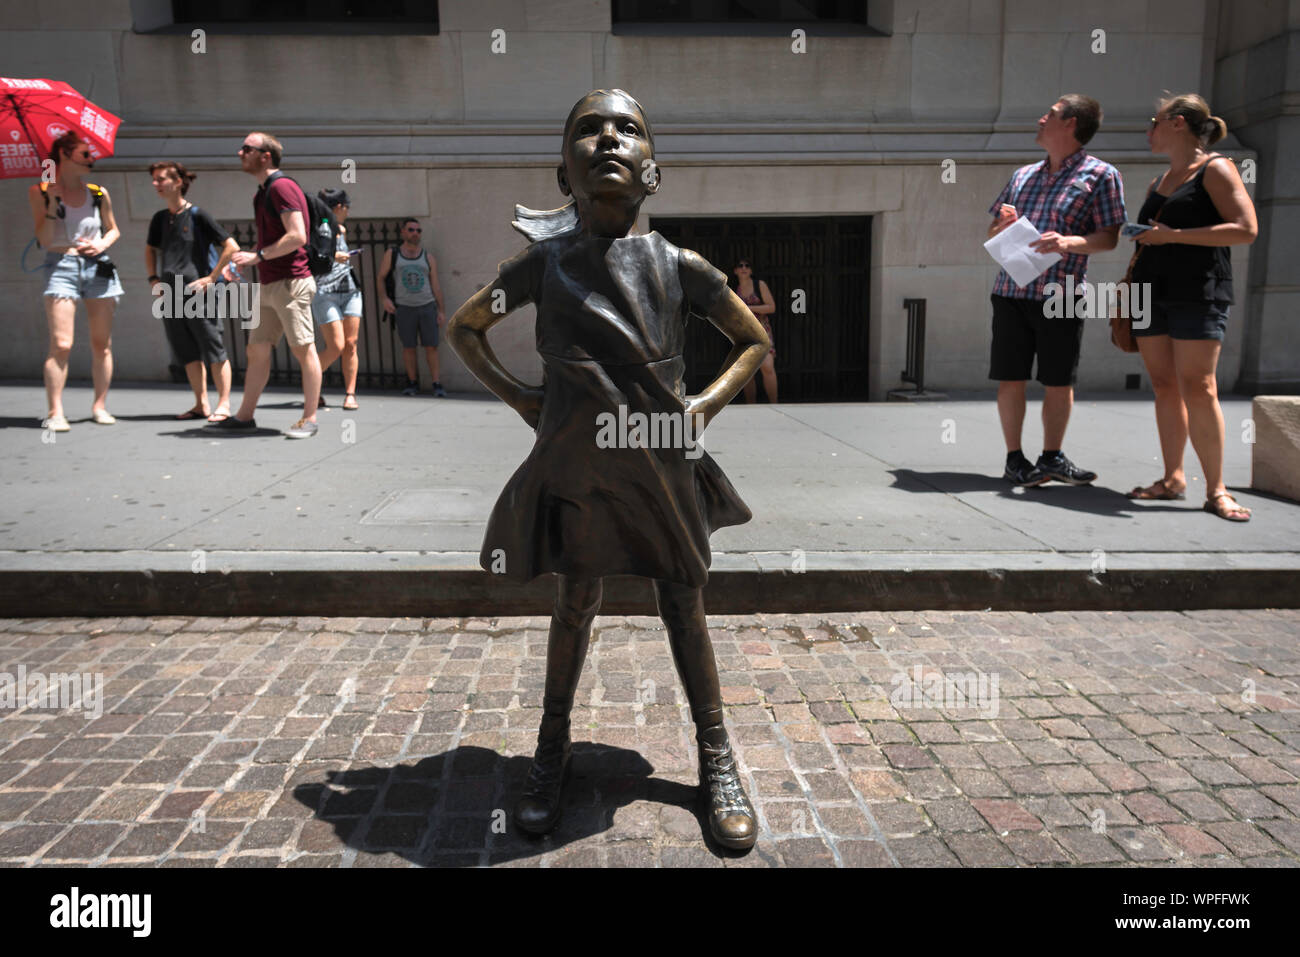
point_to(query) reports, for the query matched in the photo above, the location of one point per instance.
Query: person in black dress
(755, 294)
(1202, 209)
(611, 310)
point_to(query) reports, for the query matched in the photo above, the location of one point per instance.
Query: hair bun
(1215, 129)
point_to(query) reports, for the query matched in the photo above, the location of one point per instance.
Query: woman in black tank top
(754, 293)
(1196, 210)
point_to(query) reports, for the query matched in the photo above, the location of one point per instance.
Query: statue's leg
(731, 816)
(576, 603)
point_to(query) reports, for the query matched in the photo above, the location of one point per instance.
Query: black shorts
(1021, 331)
(1187, 320)
(194, 339)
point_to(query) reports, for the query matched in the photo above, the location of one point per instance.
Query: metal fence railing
(915, 371)
(379, 353)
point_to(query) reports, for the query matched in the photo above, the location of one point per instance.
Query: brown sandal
(1164, 492)
(1231, 511)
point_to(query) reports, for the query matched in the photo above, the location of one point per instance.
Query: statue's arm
(467, 333)
(749, 345)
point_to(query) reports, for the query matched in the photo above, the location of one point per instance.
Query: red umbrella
(35, 113)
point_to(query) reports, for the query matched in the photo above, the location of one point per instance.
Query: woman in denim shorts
(74, 224)
(1196, 210)
(337, 306)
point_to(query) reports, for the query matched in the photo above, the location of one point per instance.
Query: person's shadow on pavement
(1094, 499)
(34, 422)
(152, 417)
(202, 432)
(443, 810)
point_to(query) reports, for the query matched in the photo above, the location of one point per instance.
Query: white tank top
(81, 222)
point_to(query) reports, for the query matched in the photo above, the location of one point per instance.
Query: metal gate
(379, 353)
(821, 352)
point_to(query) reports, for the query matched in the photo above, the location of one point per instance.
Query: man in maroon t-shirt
(287, 286)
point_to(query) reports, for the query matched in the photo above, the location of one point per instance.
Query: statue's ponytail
(539, 224)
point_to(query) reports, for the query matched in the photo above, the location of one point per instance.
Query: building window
(744, 17)
(306, 16)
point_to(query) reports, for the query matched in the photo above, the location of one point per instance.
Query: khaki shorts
(286, 309)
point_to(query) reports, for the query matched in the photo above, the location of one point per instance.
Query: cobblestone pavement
(1094, 738)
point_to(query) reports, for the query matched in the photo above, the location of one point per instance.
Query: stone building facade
(915, 121)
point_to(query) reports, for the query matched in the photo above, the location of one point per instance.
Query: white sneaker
(102, 417)
(56, 423)
(302, 429)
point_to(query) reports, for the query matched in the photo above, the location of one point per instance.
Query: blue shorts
(330, 307)
(73, 276)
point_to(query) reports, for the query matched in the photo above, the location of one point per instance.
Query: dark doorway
(821, 353)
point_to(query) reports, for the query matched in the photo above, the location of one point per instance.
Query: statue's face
(605, 150)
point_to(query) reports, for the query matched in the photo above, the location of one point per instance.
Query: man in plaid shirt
(1077, 203)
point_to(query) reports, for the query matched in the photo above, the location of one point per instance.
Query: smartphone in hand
(1130, 230)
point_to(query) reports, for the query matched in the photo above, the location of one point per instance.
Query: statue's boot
(731, 817)
(538, 810)
(576, 604)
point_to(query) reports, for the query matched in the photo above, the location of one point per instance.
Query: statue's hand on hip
(529, 406)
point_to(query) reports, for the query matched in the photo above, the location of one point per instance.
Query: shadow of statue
(448, 809)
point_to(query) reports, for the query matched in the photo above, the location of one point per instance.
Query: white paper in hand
(1011, 250)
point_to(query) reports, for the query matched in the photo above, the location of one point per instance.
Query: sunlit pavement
(900, 739)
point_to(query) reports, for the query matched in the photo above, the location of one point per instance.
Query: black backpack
(322, 230)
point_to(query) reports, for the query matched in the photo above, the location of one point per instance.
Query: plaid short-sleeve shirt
(1084, 196)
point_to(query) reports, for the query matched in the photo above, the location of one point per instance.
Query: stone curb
(452, 584)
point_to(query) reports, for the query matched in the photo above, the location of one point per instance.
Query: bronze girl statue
(611, 311)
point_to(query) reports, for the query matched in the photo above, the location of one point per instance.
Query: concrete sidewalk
(855, 506)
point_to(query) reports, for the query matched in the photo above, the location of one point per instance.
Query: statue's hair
(539, 224)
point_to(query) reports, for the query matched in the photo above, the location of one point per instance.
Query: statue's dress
(611, 326)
